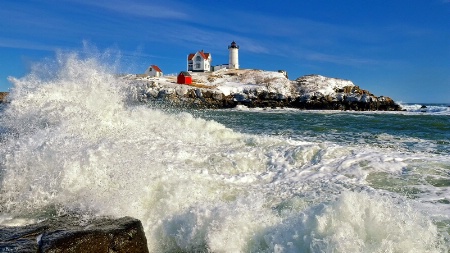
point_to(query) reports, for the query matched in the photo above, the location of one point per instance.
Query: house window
(197, 65)
(198, 58)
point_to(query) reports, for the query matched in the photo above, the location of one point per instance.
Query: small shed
(184, 78)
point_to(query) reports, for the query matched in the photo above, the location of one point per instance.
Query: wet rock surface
(75, 234)
(253, 98)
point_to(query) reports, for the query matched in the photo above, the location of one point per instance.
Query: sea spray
(354, 222)
(76, 142)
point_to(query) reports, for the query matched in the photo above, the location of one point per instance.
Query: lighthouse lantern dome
(233, 45)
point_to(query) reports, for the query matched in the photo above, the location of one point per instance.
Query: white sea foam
(355, 222)
(80, 145)
(443, 109)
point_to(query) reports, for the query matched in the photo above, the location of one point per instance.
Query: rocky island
(227, 88)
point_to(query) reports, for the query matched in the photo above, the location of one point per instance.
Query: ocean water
(73, 140)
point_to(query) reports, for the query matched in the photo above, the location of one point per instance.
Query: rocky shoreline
(206, 99)
(343, 97)
(75, 234)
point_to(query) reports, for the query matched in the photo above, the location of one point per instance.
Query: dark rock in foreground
(73, 234)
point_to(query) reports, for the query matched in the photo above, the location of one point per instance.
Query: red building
(184, 78)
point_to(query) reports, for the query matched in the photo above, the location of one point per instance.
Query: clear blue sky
(396, 48)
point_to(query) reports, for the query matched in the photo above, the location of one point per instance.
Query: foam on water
(443, 109)
(76, 142)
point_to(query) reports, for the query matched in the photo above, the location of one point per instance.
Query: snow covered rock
(325, 85)
(319, 92)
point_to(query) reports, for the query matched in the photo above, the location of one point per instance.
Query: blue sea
(241, 180)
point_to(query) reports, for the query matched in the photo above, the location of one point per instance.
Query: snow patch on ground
(241, 81)
(229, 81)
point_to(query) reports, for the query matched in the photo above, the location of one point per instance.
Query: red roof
(184, 73)
(156, 68)
(202, 54)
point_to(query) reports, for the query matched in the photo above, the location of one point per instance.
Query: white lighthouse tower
(233, 62)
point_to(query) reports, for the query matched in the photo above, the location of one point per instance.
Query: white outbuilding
(154, 71)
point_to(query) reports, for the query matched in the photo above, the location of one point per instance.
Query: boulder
(239, 97)
(182, 91)
(152, 92)
(75, 234)
(198, 93)
(217, 96)
(208, 94)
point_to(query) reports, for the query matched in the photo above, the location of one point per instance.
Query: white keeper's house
(199, 62)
